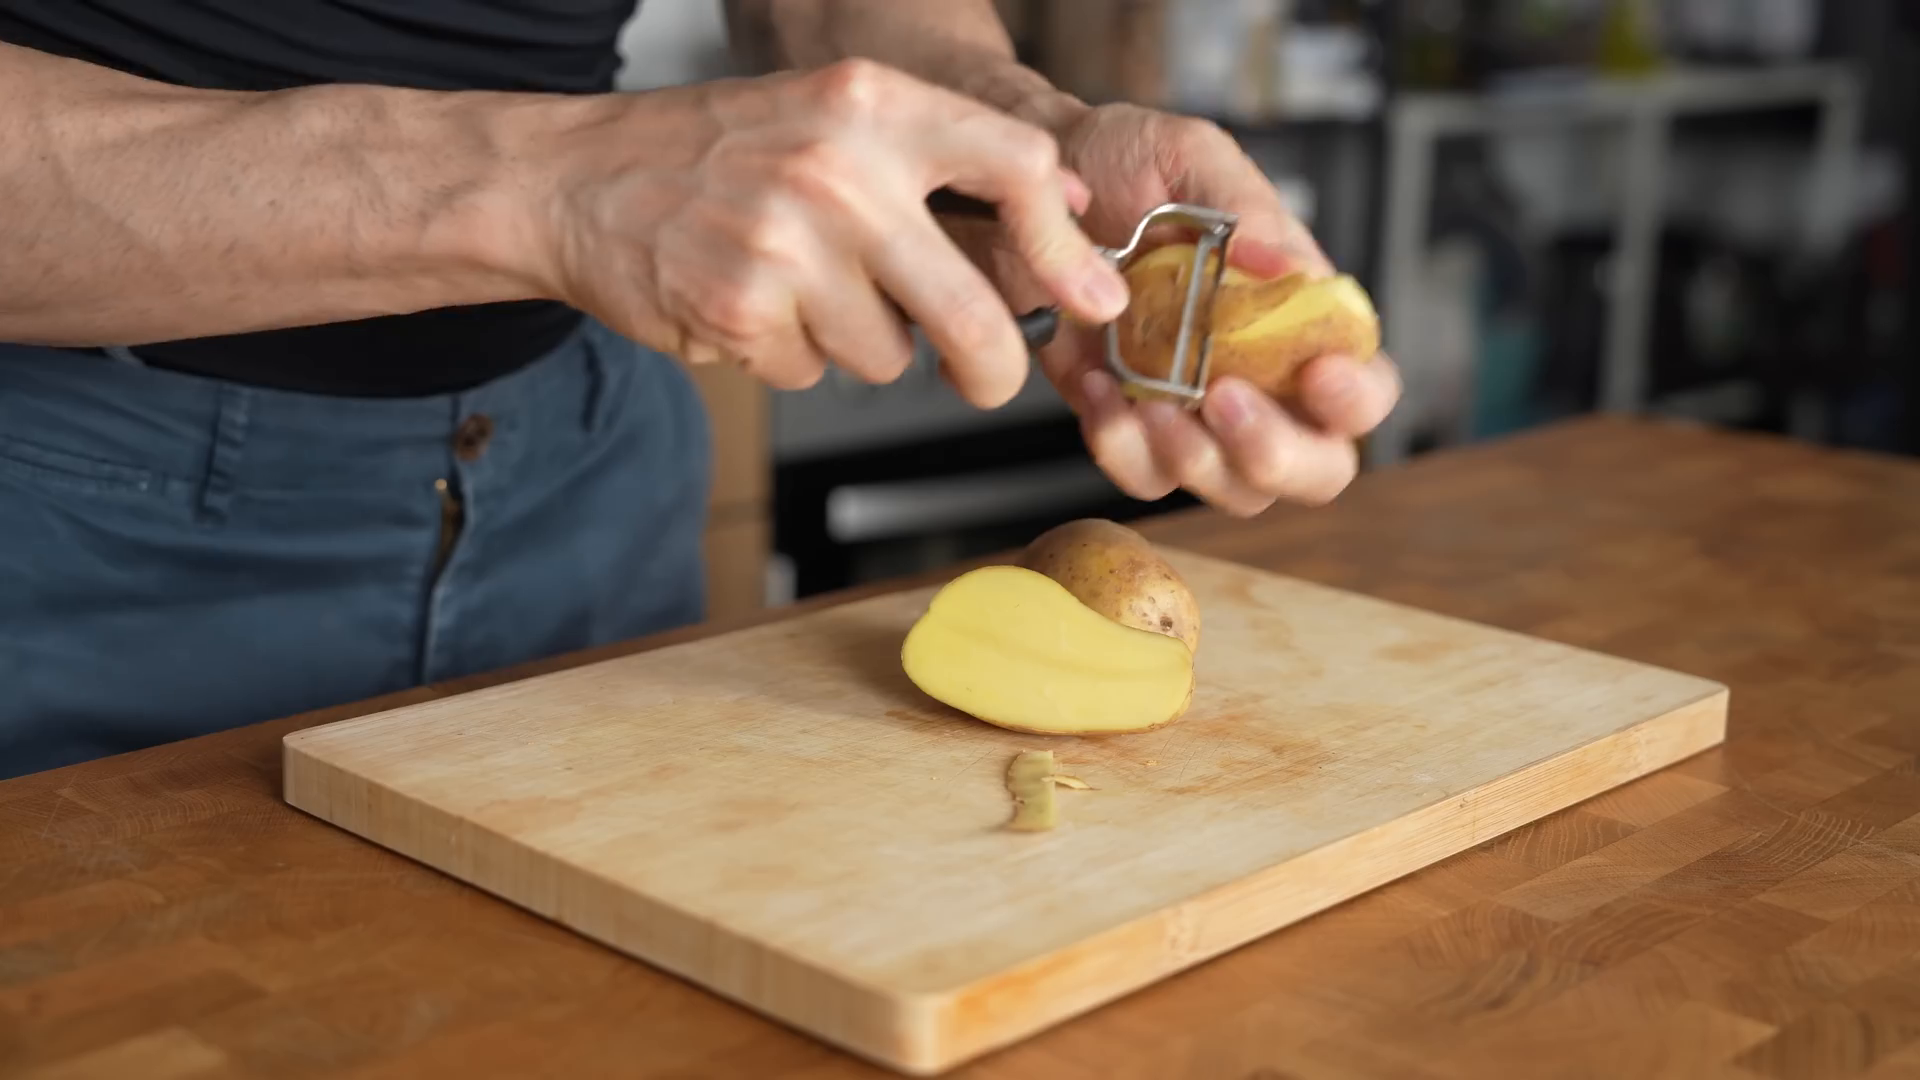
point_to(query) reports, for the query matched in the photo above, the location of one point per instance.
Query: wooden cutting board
(779, 815)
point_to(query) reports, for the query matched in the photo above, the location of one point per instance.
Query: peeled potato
(1116, 572)
(1263, 331)
(1011, 646)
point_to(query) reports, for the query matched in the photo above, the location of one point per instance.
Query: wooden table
(1751, 912)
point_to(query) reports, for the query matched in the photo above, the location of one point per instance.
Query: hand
(1241, 450)
(780, 223)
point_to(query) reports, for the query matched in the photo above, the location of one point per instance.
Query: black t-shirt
(560, 46)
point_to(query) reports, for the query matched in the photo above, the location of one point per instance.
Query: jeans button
(470, 441)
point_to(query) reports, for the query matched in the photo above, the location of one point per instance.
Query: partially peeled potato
(1264, 330)
(1092, 633)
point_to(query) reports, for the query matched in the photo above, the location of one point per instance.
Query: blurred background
(1693, 208)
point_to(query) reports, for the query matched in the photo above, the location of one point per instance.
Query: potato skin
(1116, 572)
(1263, 331)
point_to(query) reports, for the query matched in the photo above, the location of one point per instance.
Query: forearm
(138, 212)
(958, 44)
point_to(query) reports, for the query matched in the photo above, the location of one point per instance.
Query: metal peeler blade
(1186, 379)
(1214, 228)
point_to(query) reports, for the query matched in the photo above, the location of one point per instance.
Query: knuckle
(1394, 384)
(1249, 507)
(1270, 468)
(1199, 133)
(1036, 154)
(699, 351)
(799, 376)
(1325, 485)
(1099, 440)
(1343, 476)
(736, 312)
(808, 160)
(974, 323)
(1124, 469)
(823, 173)
(1049, 257)
(878, 363)
(1154, 489)
(782, 368)
(1198, 466)
(890, 361)
(1316, 497)
(1124, 475)
(1050, 253)
(854, 87)
(771, 235)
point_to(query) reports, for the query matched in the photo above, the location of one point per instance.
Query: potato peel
(1030, 780)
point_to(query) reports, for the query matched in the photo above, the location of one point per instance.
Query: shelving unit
(1644, 109)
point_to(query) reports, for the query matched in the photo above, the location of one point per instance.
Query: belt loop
(123, 354)
(596, 381)
(223, 462)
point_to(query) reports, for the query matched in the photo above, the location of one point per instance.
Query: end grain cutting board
(779, 815)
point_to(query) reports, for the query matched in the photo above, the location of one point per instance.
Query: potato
(1012, 647)
(1263, 331)
(1116, 572)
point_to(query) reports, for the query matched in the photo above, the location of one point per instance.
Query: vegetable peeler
(1186, 380)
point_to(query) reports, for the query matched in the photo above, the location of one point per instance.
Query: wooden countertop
(1752, 912)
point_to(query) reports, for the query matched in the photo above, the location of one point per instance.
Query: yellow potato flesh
(1012, 647)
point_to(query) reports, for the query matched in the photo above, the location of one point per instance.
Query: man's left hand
(1241, 450)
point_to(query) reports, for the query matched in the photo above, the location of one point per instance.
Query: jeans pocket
(66, 471)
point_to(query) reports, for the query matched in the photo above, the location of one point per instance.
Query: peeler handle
(948, 201)
(1038, 326)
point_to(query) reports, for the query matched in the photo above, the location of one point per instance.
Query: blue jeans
(181, 555)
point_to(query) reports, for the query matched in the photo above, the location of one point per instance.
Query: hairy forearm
(959, 44)
(136, 211)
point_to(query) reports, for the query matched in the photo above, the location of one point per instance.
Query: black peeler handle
(952, 203)
(1038, 326)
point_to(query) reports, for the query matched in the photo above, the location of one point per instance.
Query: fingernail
(1231, 409)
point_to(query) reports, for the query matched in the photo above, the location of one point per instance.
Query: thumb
(1269, 239)
(1272, 243)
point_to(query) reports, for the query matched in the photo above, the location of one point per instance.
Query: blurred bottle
(1432, 42)
(1629, 38)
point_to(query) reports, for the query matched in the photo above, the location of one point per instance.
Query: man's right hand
(778, 222)
(781, 223)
